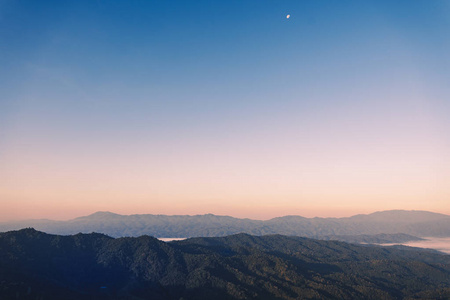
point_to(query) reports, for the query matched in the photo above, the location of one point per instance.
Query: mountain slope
(94, 266)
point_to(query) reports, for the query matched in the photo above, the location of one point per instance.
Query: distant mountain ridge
(381, 238)
(415, 223)
(36, 265)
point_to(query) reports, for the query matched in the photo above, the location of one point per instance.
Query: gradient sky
(224, 107)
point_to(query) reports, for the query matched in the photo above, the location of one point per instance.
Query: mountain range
(414, 223)
(36, 265)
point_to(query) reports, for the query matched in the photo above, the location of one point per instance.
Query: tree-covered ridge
(35, 265)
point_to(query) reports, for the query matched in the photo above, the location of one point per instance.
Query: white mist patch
(171, 239)
(440, 244)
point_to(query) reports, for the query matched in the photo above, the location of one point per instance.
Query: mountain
(415, 223)
(36, 265)
(381, 238)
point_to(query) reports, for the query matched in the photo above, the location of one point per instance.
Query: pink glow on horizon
(332, 163)
(55, 209)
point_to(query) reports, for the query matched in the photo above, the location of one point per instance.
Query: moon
(288, 16)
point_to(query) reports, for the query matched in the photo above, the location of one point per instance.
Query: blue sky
(225, 103)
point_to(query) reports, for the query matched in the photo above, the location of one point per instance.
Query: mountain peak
(104, 213)
(99, 215)
(399, 215)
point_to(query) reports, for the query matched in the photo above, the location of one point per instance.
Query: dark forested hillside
(415, 223)
(35, 265)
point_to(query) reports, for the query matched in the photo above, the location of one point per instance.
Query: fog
(440, 244)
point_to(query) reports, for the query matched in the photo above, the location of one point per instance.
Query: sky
(224, 107)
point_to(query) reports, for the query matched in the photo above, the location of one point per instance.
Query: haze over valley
(415, 223)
